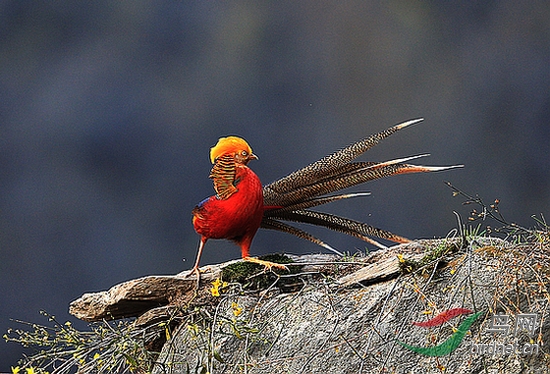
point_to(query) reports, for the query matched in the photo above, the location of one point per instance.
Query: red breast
(236, 217)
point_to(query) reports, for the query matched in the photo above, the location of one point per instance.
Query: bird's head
(235, 146)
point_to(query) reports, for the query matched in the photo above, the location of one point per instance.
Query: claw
(267, 264)
(197, 273)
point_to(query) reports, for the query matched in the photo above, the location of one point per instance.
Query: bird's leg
(244, 243)
(267, 264)
(195, 270)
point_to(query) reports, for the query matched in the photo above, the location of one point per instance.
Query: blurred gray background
(108, 111)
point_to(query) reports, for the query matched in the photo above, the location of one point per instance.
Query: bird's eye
(244, 153)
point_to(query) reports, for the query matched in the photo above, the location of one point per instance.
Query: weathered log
(343, 314)
(137, 296)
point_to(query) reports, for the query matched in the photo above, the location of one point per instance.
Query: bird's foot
(267, 264)
(197, 273)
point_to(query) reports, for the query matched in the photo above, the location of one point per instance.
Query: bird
(236, 211)
(242, 205)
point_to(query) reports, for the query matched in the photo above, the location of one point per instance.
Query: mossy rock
(433, 254)
(254, 276)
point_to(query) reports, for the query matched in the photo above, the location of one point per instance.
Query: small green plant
(107, 347)
(473, 232)
(433, 255)
(491, 213)
(252, 276)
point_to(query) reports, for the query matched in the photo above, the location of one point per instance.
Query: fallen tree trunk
(355, 315)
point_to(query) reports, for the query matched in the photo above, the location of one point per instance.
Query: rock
(352, 315)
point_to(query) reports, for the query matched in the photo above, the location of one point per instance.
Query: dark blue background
(108, 111)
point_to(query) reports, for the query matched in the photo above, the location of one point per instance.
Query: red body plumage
(236, 211)
(236, 218)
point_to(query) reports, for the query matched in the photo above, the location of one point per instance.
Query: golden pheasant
(241, 205)
(237, 209)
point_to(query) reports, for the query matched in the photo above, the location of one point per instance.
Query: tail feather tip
(440, 168)
(408, 123)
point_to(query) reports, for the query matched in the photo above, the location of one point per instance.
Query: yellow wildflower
(237, 310)
(215, 290)
(216, 285)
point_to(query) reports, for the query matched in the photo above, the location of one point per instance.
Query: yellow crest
(229, 145)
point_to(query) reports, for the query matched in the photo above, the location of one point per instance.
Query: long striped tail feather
(354, 174)
(273, 224)
(331, 164)
(316, 201)
(289, 198)
(343, 225)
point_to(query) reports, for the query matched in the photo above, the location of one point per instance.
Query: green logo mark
(448, 345)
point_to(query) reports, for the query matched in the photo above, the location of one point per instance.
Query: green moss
(432, 254)
(438, 252)
(253, 276)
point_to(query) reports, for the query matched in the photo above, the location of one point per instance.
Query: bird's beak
(252, 156)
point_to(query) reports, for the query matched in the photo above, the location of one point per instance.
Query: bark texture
(348, 315)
